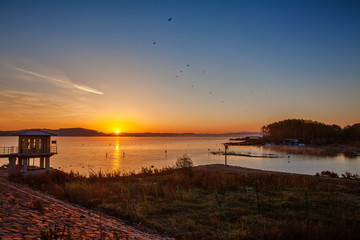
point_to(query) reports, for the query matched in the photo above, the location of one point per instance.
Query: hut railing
(16, 150)
(8, 150)
(53, 149)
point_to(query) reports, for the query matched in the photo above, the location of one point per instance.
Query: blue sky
(95, 64)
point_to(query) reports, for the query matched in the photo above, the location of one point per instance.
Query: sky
(178, 66)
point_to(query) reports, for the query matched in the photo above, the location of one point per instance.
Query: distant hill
(63, 132)
(76, 132)
(7, 133)
(93, 133)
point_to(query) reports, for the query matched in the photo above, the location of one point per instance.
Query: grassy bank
(192, 204)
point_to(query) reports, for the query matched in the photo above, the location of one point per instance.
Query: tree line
(311, 132)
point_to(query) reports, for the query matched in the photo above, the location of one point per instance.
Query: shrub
(184, 161)
(329, 174)
(348, 175)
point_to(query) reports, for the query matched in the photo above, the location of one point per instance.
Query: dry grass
(194, 204)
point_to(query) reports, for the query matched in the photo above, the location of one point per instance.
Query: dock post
(25, 165)
(12, 166)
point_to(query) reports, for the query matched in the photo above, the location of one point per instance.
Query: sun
(117, 131)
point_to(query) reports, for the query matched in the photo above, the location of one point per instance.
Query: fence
(15, 150)
(8, 150)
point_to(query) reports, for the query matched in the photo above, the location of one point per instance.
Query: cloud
(29, 106)
(60, 80)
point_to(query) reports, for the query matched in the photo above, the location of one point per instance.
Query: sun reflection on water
(116, 157)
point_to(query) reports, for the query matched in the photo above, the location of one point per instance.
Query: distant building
(290, 141)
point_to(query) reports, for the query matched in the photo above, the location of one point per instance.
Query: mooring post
(226, 149)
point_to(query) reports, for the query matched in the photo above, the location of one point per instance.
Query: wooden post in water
(226, 149)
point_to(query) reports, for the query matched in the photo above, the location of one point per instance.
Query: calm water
(84, 154)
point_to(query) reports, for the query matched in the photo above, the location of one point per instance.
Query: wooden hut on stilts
(32, 144)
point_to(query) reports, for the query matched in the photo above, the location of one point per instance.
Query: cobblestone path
(24, 213)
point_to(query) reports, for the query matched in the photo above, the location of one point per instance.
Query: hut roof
(34, 132)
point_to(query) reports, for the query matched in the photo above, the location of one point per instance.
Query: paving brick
(19, 219)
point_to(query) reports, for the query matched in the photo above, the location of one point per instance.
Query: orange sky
(215, 67)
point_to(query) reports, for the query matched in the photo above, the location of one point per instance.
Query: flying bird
(154, 43)
(188, 65)
(169, 19)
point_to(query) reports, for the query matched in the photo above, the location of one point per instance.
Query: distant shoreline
(352, 150)
(82, 132)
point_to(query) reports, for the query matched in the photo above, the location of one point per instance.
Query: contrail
(58, 80)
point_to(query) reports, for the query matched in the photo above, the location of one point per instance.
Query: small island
(306, 137)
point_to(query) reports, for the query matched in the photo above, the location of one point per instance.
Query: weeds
(208, 205)
(328, 174)
(55, 232)
(346, 175)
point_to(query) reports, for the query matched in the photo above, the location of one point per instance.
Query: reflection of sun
(117, 147)
(117, 131)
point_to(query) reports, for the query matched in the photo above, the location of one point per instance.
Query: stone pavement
(28, 214)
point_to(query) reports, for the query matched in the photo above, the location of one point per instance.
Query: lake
(86, 154)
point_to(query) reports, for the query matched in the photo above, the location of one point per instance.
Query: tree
(308, 131)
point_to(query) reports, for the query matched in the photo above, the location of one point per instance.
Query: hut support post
(47, 162)
(12, 165)
(25, 165)
(20, 163)
(41, 162)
